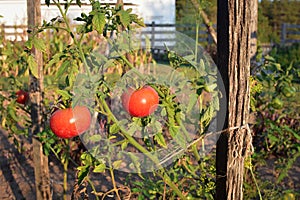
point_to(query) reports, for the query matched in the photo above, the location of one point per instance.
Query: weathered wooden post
(41, 170)
(234, 35)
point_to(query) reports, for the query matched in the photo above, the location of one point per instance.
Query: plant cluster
(87, 67)
(275, 99)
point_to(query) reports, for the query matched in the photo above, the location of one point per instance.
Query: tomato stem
(68, 29)
(131, 140)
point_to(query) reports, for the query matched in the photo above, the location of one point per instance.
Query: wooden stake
(41, 170)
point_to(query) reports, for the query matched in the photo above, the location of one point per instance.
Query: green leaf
(83, 173)
(47, 2)
(12, 113)
(116, 164)
(270, 58)
(53, 60)
(33, 66)
(135, 18)
(114, 129)
(78, 2)
(192, 102)
(39, 44)
(65, 94)
(98, 22)
(273, 138)
(62, 69)
(100, 168)
(210, 88)
(159, 138)
(28, 43)
(124, 145)
(95, 138)
(124, 17)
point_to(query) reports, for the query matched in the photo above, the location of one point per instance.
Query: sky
(162, 11)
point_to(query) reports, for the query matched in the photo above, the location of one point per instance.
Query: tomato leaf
(100, 168)
(62, 69)
(78, 2)
(12, 112)
(116, 164)
(192, 102)
(33, 66)
(39, 44)
(64, 94)
(28, 43)
(124, 17)
(95, 138)
(53, 60)
(83, 173)
(113, 129)
(98, 22)
(159, 138)
(135, 163)
(47, 2)
(124, 145)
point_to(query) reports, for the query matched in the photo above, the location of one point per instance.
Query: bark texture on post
(239, 141)
(41, 169)
(234, 27)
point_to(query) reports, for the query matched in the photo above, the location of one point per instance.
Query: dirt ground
(17, 174)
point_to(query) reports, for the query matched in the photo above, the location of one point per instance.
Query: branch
(206, 21)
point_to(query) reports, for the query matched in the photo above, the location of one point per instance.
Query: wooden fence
(158, 34)
(290, 33)
(13, 32)
(165, 33)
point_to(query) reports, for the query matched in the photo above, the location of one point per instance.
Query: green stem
(131, 140)
(65, 183)
(111, 170)
(92, 186)
(197, 40)
(168, 180)
(255, 182)
(68, 29)
(65, 163)
(195, 152)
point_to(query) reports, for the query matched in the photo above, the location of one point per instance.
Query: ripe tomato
(141, 102)
(68, 123)
(22, 96)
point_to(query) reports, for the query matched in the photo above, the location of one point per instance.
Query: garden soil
(17, 174)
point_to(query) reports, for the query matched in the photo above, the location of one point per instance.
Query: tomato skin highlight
(22, 97)
(70, 122)
(141, 102)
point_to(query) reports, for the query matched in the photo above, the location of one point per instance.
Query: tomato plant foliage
(88, 65)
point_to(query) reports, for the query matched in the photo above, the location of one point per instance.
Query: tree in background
(272, 14)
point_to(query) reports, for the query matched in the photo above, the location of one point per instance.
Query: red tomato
(141, 102)
(68, 123)
(22, 96)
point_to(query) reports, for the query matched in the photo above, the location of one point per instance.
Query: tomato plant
(22, 96)
(141, 102)
(75, 71)
(70, 122)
